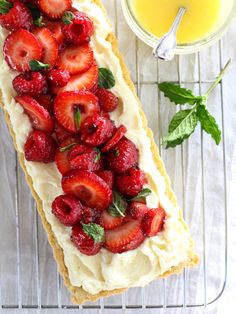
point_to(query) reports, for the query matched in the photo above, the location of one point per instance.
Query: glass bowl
(226, 19)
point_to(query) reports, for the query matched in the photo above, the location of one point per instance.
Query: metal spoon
(165, 50)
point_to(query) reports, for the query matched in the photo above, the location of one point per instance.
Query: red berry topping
(91, 190)
(72, 108)
(54, 8)
(61, 133)
(131, 183)
(90, 215)
(85, 243)
(61, 157)
(123, 156)
(56, 28)
(76, 59)
(125, 237)
(108, 222)
(96, 130)
(84, 157)
(49, 44)
(46, 101)
(39, 116)
(17, 16)
(80, 82)
(20, 48)
(107, 100)
(137, 210)
(107, 176)
(80, 29)
(68, 209)
(40, 147)
(59, 77)
(120, 132)
(153, 221)
(30, 83)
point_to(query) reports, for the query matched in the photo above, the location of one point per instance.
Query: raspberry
(96, 130)
(107, 100)
(17, 17)
(131, 183)
(40, 147)
(83, 242)
(80, 29)
(123, 156)
(30, 83)
(84, 157)
(59, 77)
(90, 215)
(68, 209)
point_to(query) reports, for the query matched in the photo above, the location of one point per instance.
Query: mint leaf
(106, 78)
(39, 22)
(144, 193)
(77, 118)
(36, 65)
(181, 127)
(94, 231)
(178, 94)
(67, 17)
(5, 6)
(118, 206)
(98, 156)
(66, 148)
(208, 123)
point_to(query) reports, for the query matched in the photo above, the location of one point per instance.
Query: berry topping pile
(68, 100)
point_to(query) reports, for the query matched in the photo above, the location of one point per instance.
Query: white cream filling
(104, 271)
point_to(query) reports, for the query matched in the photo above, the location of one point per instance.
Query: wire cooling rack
(28, 275)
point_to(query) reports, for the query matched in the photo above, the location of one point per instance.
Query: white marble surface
(31, 278)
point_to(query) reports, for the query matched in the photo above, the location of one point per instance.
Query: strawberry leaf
(37, 66)
(178, 94)
(208, 123)
(94, 231)
(5, 6)
(181, 127)
(106, 78)
(118, 206)
(143, 194)
(67, 17)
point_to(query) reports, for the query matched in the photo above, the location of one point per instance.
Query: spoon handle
(178, 19)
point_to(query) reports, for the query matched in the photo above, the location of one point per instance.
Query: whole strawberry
(15, 15)
(123, 156)
(30, 83)
(131, 183)
(78, 27)
(40, 147)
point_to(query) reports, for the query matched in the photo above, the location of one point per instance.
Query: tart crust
(79, 295)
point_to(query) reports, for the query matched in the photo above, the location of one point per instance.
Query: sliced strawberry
(84, 81)
(46, 101)
(120, 132)
(76, 59)
(153, 221)
(107, 100)
(49, 44)
(125, 237)
(54, 8)
(39, 116)
(68, 103)
(56, 28)
(61, 158)
(90, 189)
(20, 47)
(108, 222)
(107, 176)
(137, 210)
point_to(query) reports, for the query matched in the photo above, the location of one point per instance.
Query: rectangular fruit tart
(82, 139)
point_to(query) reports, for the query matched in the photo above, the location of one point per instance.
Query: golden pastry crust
(78, 295)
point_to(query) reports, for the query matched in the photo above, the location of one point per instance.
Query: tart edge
(78, 294)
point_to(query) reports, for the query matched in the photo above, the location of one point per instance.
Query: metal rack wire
(28, 263)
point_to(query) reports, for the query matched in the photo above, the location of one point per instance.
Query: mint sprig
(5, 6)
(118, 205)
(37, 66)
(67, 17)
(143, 194)
(94, 231)
(184, 122)
(106, 78)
